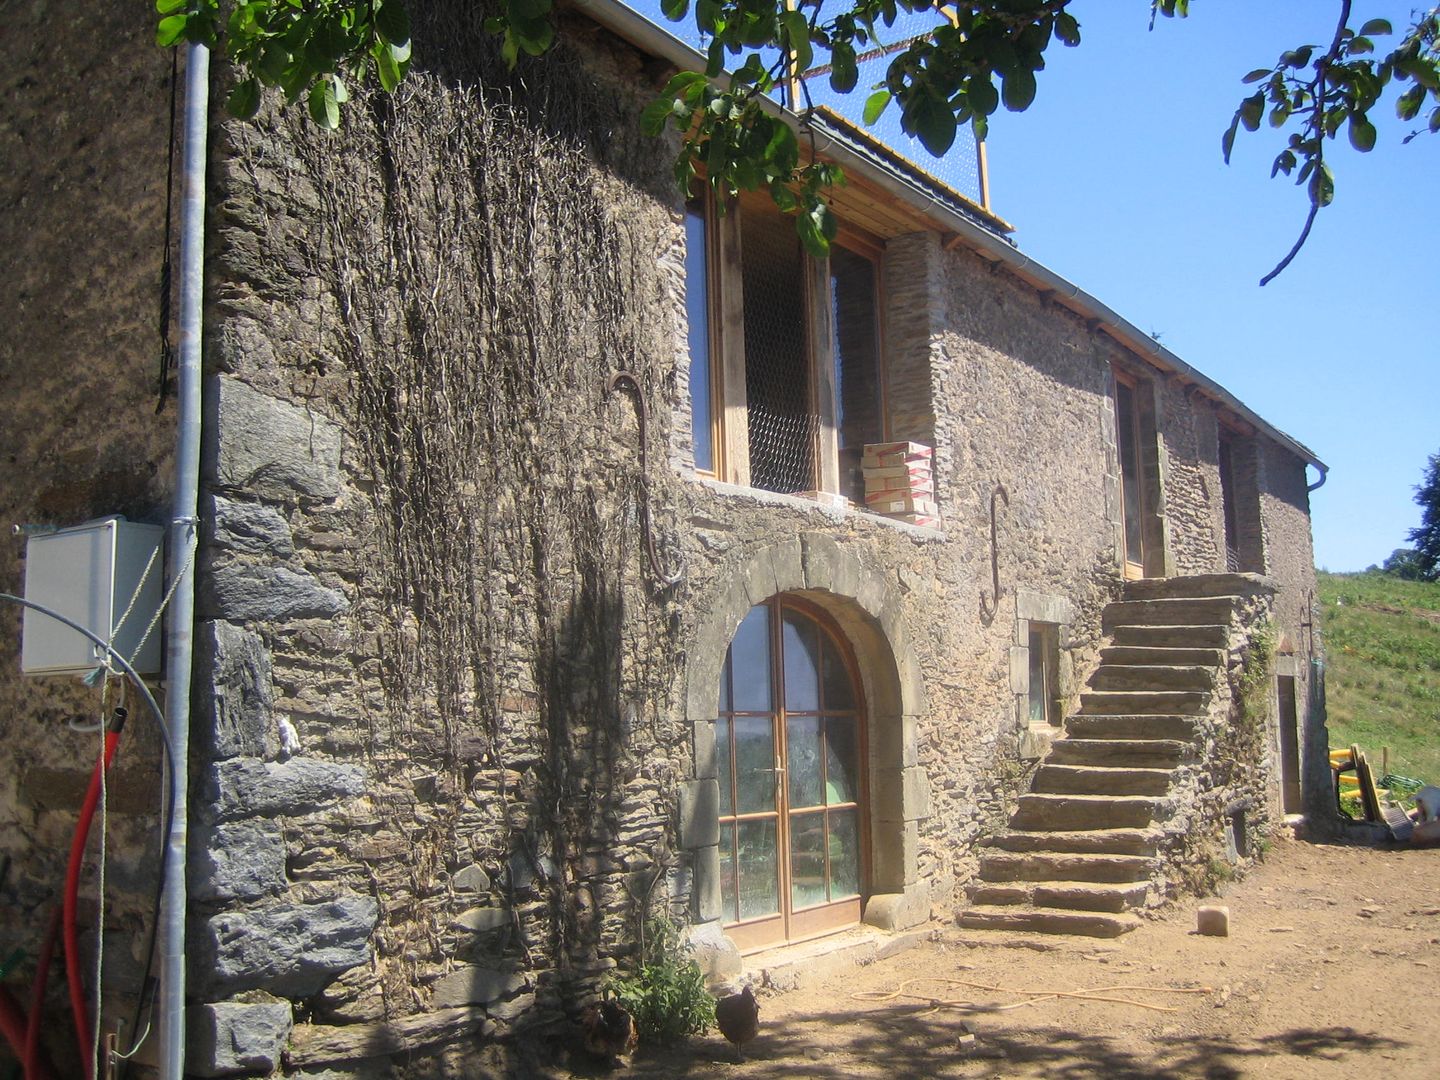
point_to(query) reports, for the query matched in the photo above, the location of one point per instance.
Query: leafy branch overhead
(972, 59)
(1317, 96)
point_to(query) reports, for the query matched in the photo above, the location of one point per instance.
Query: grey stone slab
(480, 920)
(470, 879)
(233, 699)
(245, 787)
(706, 862)
(290, 949)
(705, 761)
(247, 528)
(241, 860)
(227, 1038)
(247, 592)
(263, 445)
(699, 813)
(475, 984)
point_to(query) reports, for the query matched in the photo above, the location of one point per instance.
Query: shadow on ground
(917, 1042)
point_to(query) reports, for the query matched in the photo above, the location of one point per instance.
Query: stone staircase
(1082, 849)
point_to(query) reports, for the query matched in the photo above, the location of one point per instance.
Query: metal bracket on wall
(629, 378)
(988, 610)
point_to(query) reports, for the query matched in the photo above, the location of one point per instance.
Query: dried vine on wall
(488, 280)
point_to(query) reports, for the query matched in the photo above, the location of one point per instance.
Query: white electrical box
(90, 573)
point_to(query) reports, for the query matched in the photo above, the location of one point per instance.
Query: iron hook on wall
(988, 609)
(629, 378)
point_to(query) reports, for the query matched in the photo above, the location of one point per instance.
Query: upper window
(697, 312)
(790, 354)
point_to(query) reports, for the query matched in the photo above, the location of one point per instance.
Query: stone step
(1130, 726)
(1071, 812)
(1178, 612)
(1153, 677)
(1062, 866)
(1100, 780)
(1133, 702)
(1095, 841)
(1119, 753)
(1071, 895)
(1142, 655)
(1208, 636)
(1194, 585)
(1042, 920)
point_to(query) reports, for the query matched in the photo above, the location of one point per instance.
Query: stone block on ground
(1213, 921)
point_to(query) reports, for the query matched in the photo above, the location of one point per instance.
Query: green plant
(667, 996)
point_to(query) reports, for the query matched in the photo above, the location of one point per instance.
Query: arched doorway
(790, 753)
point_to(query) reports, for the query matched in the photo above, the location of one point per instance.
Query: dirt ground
(1332, 968)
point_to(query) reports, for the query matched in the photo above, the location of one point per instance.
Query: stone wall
(83, 134)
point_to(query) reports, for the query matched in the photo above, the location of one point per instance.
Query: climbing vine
(486, 280)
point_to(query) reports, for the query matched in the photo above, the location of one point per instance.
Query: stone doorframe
(868, 611)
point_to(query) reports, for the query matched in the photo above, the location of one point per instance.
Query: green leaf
(1322, 186)
(1362, 133)
(1376, 26)
(393, 22)
(244, 100)
(1018, 89)
(981, 95)
(387, 67)
(652, 120)
(1279, 114)
(170, 30)
(935, 124)
(674, 10)
(1067, 29)
(324, 106)
(1251, 109)
(875, 105)
(1407, 106)
(169, 7)
(797, 29)
(1256, 75)
(844, 72)
(1227, 141)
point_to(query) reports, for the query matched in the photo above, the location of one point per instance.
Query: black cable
(168, 814)
(167, 352)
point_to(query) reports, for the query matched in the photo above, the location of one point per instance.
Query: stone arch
(868, 610)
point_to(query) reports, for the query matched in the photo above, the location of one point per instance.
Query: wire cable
(168, 748)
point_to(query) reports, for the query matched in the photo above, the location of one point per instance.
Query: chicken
(610, 1030)
(738, 1016)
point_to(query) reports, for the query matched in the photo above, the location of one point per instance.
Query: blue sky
(1114, 179)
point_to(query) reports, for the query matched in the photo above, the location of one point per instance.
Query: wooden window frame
(730, 444)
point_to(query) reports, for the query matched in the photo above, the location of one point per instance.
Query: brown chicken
(610, 1031)
(738, 1016)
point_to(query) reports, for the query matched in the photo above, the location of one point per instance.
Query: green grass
(1382, 638)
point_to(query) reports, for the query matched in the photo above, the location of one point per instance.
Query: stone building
(536, 592)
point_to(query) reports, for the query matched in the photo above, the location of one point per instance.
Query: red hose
(73, 974)
(13, 1026)
(37, 997)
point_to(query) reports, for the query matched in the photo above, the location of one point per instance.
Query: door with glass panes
(790, 741)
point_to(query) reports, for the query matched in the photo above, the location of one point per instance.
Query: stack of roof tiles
(899, 482)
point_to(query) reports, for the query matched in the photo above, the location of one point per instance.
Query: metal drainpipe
(183, 533)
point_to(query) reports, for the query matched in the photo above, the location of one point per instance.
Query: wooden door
(790, 745)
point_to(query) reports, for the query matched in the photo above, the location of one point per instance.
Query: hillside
(1382, 638)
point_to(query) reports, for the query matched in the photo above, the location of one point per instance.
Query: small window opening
(853, 291)
(697, 311)
(1044, 650)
